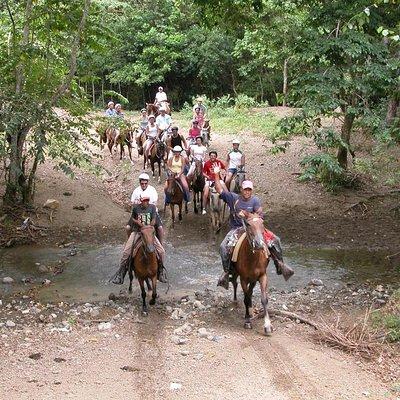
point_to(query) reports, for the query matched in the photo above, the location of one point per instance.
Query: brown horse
(126, 138)
(198, 183)
(251, 267)
(111, 134)
(152, 109)
(157, 153)
(175, 194)
(237, 180)
(215, 207)
(206, 132)
(145, 266)
(140, 139)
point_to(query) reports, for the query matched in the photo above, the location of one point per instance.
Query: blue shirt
(110, 112)
(236, 203)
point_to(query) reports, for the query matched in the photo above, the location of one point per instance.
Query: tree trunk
(285, 85)
(102, 90)
(93, 94)
(392, 111)
(345, 134)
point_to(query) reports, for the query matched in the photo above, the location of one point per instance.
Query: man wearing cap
(176, 139)
(164, 122)
(199, 104)
(161, 97)
(110, 112)
(142, 214)
(234, 160)
(245, 201)
(144, 189)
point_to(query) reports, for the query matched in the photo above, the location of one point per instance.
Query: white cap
(144, 197)
(177, 148)
(109, 103)
(162, 109)
(160, 87)
(144, 176)
(151, 116)
(235, 141)
(247, 185)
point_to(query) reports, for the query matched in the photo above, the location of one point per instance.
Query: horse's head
(240, 177)
(171, 182)
(161, 147)
(147, 233)
(254, 228)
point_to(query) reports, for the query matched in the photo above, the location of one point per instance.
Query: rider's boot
(224, 280)
(119, 276)
(281, 267)
(162, 273)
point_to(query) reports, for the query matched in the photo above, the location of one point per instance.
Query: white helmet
(110, 103)
(177, 149)
(235, 141)
(143, 176)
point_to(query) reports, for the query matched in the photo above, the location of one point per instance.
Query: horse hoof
(145, 313)
(267, 331)
(247, 325)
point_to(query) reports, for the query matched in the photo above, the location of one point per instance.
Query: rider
(143, 119)
(199, 116)
(151, 134)
(194, 131)
(249, 203)
(176, 139)
(142, 214)
(118, 111)
(110, 112)
(199, 104)
(176, 165)
(197, 152)
(235, 160)
(145, 189)
(208, 172)
(163, 121)
(161, 97)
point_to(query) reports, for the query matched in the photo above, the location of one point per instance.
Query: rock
(35, 356)
(7, 280)
(199, 305)
(94, 312)
(59, 360)
(103, 326)
(185, 353)
(168, 309)
(380, 288)
(27, 280)
(203, 333)
(178, 340)
(43, 268)
(285, 307)
(183, 330)
(175, 386)
(46, 282)
(178, 314)
(128, 368)
(10, 324)
(52, 204)
(316, 282)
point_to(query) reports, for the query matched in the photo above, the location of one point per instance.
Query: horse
(206, 132)
(198, 183)
(111, 134)
(140, 139)
(175, 193)
(251, 267)
(157, 153)
(237, 180)
(145, 266)
(126, 138)
(152, 109)
(215, 206)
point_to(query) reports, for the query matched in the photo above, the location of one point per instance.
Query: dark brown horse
(198, 183)
(215, 207)
(152, 109)
(111, 134)
(175, 194)
(145, 266)
(157, 153)
(126, 139)
(140, 139)
(251, 267)
(237, 180)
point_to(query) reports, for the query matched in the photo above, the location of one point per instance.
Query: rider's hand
(217, 169)
(242, 214)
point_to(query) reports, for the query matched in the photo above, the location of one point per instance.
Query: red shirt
(194, 132)
(208, 168)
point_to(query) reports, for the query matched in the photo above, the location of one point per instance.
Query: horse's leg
(154, 292)
(195, 202)
(122, 151)
(172, 214)
(264, 300)
(148, 283)
(247, 302)
(180, 210)
(130, 278)
(235, 285)
(159, 171)
(144, 305)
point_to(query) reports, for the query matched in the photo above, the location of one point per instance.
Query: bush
(242, 101)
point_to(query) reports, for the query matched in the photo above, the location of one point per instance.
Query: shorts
(233, 171)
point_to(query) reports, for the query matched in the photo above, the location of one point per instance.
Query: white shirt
(235, 159)
(199, 152)
(161, 96)
(163, 121)
(150, 191)
(153, 131)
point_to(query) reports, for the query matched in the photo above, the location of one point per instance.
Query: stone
(185, 353)
(199, 305)
(46, 282)
(43, 268)
(10, 324)
(103, 326)
(178, 340)
(183, 330)
(175, 386)
(203, 333)
(316, 282)
(7, 280)
(94, 312)
(178, 314)
(52, 204)
(35, 356)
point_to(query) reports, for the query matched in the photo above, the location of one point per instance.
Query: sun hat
(143, 176)
(151, 116)
(247, 185)
(235, 141)
(177, 149)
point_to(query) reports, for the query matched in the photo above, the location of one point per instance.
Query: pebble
(183, 330)
(103, 326)
(7, 280)
(203, 333)
(94, 312)
(178, 340)
(185, 353)
(199, 305)
(46, 282)
(316, 282)
(175, 386)
(10, 324)
(42, 268)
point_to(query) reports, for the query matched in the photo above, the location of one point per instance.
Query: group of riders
(182, 155)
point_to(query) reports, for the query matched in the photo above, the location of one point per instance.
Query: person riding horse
(245, 203)
(199, 104)
(208, 172)
(144, 189)
(235, 160)
(161, 97)
(194, 132)
(164, 122)
(151, 135)
(197, 152)
(110, 112)
(142, 214)
(176, 139)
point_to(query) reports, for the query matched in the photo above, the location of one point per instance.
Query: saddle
(268, 237)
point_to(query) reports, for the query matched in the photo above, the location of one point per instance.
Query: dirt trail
(232, 362)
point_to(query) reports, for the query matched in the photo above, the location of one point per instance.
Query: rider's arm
(184, 142)
(218, 186)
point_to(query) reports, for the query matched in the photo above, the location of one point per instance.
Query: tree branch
(74, 55)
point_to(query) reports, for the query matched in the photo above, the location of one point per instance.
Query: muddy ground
(106, 349)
